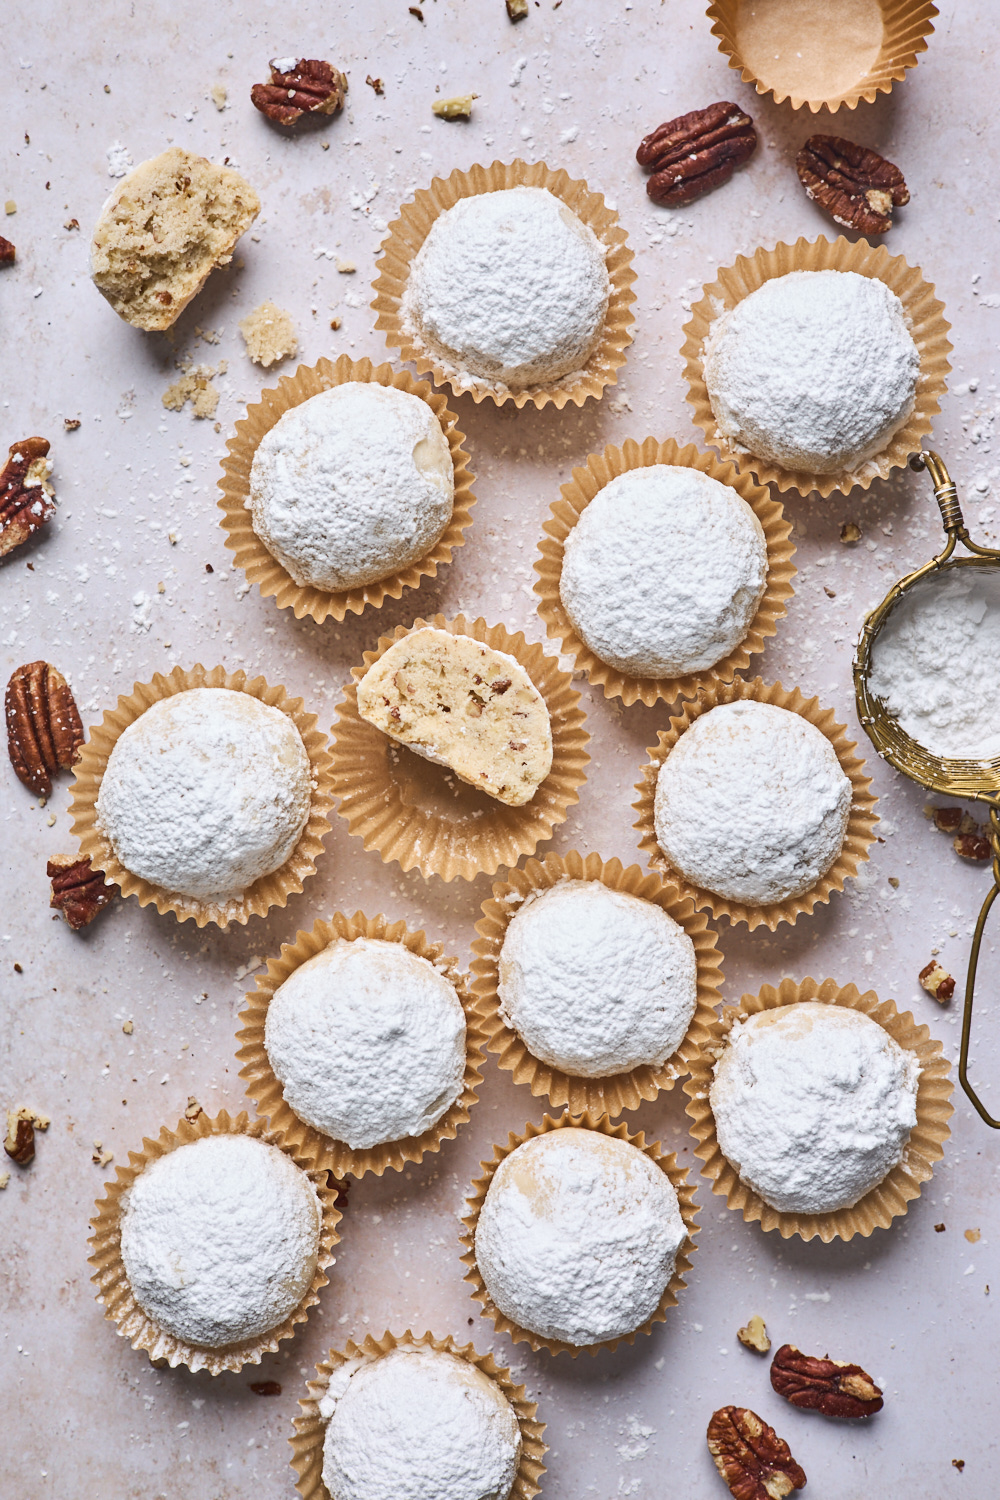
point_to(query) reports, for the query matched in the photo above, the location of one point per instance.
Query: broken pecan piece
(7, 252)
(77, 891)
(19, 1142)
(857, 187)
(25, 493)
(937, 981)
(696, 152)
(44, 731)
(830, 1386)
(972, 846)
(753, 1460)
(299, 86)
(754, 1335)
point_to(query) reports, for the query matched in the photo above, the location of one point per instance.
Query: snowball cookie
(752, 803)
(664, 571)
(465, 706)
(352, 485)
(368, 1042)
(510, 287)
(814, 370)
(578, 1236)
(418, 1424)
(220, 1239)
(595, 981)
(165, 227)
(206, 792)
(813, 1105)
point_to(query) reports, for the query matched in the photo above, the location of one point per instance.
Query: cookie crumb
(217, 94)
(269, 334)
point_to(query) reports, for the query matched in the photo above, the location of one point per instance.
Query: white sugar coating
(664, 571)
(813, 1105)
(596, 981)
(352, 485)
(220, 1239)
(814, 370)
(510, 288)
(368, 1042)
(578, 1236)
(936, 664)
(752, 803)
(206, 792)
(418, 1424)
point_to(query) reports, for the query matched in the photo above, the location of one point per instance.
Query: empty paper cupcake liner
(115, 1292)
(310, 1429)
(408, 232)
(266, 1091)
(924, 316)
(666, 1161)
(824, 61)
(600, 469)
(419, 814)
(619, 1091)
(269, 890)
(858, 837)
(877, 1209)
(250, 553)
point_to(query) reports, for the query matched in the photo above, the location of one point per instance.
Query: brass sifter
(978, 780)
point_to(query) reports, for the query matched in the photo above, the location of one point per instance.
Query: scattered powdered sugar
(813, 1105)
(578, 1236)
(415, 1423)
(596, 981)
(368, 1042)
(206, 792)
(752, 803)
(119, 160)
(509, 289)
(352, 485)
(814, 370)
(936, 664)
(664, 571)
(220, 1239)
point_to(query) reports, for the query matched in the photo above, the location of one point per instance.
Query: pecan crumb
(939, 1229)
(754, 1335)
(517, 9)
(850, 532)
(7, 252)
(72, 224)
(416, 11)
(500, 686)
(973, 1236)
(974, 847)
(193, 1109)
(457, 108)
(71, 423)
(894, 881)
(696, 152)
(19, 1143)
(128, 1027)
(937, 981)
(958, 1463)
(99, 1156)
(78, 891)
(375, 83)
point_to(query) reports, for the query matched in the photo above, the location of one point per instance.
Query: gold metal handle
(970, 981)
(945, 492)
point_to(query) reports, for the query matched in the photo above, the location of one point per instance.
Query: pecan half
(696, 152)
(753, 1460)
(77, 891)
(299, 86)
(43, 725)
(830, 1386)
(937, 981)
(857, 187)
(7, 252)
(25, 493)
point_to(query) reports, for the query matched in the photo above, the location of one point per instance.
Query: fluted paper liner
(408, 232)
(616, 1092)
(269, 890)
(906, 25)
(114, 1291)
(877, 1209)
(250, 553)
(924, 316)
(266, 1091)
(310, 1429)
(370, 771)
(858, 836)
(665, 1160)
(586, 482)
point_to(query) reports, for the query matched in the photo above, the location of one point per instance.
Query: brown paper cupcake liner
(114, 1291)
(665, 1160)
(310, 1430)
(619, 1091)
(269, 890)
(905, 26)
(419, 814)
(250, 553)
(267, 1094)
(924, 317)
(600, 469)
(877, 1209)
(859, 835)
(408, 232)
